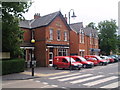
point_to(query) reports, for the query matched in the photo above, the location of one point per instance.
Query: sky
(86, 10)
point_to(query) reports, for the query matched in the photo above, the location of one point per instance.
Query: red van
(64, 62)
(100, 60)
(86, 64)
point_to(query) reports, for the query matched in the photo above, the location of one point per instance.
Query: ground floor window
(62, 52)
(82, 53)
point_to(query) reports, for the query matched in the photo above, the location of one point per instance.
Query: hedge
(12, 66)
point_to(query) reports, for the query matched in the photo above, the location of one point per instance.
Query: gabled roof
(42, 21)
(76, 26)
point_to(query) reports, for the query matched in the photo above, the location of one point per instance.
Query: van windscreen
(69, 58)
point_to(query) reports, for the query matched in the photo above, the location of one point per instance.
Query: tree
(92, 24)
(11, 34)
(107, 36)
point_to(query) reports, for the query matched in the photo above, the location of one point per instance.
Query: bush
(12, 66)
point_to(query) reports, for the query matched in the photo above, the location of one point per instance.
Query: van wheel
(55, 67)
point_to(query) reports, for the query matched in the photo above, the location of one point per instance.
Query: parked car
(115, 57)
(109, 59)
(100, 60)
(94, 60)
(86, 64)
(64, 62)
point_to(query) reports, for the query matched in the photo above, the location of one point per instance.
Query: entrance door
(50, 58)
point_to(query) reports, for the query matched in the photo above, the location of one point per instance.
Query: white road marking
(45, 86)
(112, 85)
(64, 76)
(45, 83)
(54, 85)
(86, 79)
(37, 81)
(100, 81)
(74, 77)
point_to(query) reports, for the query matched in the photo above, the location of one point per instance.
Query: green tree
(107, 36)
(11, 33)
(92, 24)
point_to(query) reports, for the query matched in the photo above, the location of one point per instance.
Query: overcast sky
(86, 10)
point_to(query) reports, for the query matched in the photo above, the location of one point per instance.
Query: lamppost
(73, 16)
(32, 56)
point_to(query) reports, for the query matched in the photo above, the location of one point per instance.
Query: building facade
(85, 41)
(51, 34)
(52, 38)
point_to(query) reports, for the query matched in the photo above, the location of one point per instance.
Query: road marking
(86, 79)
(40, 74)
(64, 76)
(45, 83)
(112, 85)
(45, 86)
(54, 85)
(37, 81)
(75, 77)
(100, 81)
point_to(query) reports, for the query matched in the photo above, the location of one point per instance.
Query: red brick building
(83, 41)
(51, 34)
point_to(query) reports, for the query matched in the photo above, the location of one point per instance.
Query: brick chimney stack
(37, 15)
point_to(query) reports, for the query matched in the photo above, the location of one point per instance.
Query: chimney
(37, 15)
(65, 18)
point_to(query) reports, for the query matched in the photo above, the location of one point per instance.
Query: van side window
(77, 59)
(64, 60)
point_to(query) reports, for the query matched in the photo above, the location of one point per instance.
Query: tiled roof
(89, 30)
(76, 26)
(42, 21)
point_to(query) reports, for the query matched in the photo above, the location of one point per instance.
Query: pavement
(38, 73)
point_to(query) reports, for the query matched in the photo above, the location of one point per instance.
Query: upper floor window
(81, 36)
(58, 35)
(51, 34)
(90, 38)
(65, 36)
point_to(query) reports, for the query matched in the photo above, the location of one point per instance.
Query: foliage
(12, 66)
(92, 24)
(107, 36)
(11, 34)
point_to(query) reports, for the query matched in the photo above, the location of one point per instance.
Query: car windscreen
(81, 58)
(98, 58)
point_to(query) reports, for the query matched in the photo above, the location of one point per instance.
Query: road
(96, 77)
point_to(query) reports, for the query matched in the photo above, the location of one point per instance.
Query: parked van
(86, 64)
(100, 60)
(64, 62)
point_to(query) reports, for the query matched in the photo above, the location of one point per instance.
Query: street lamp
(73, 16)
(32, 61)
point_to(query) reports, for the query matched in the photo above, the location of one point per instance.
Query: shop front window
(62, 52)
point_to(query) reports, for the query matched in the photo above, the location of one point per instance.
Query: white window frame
(81, 36)
(51, 34)
(90, 38)
(58, 35)
(63, 51)
(65, 36)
